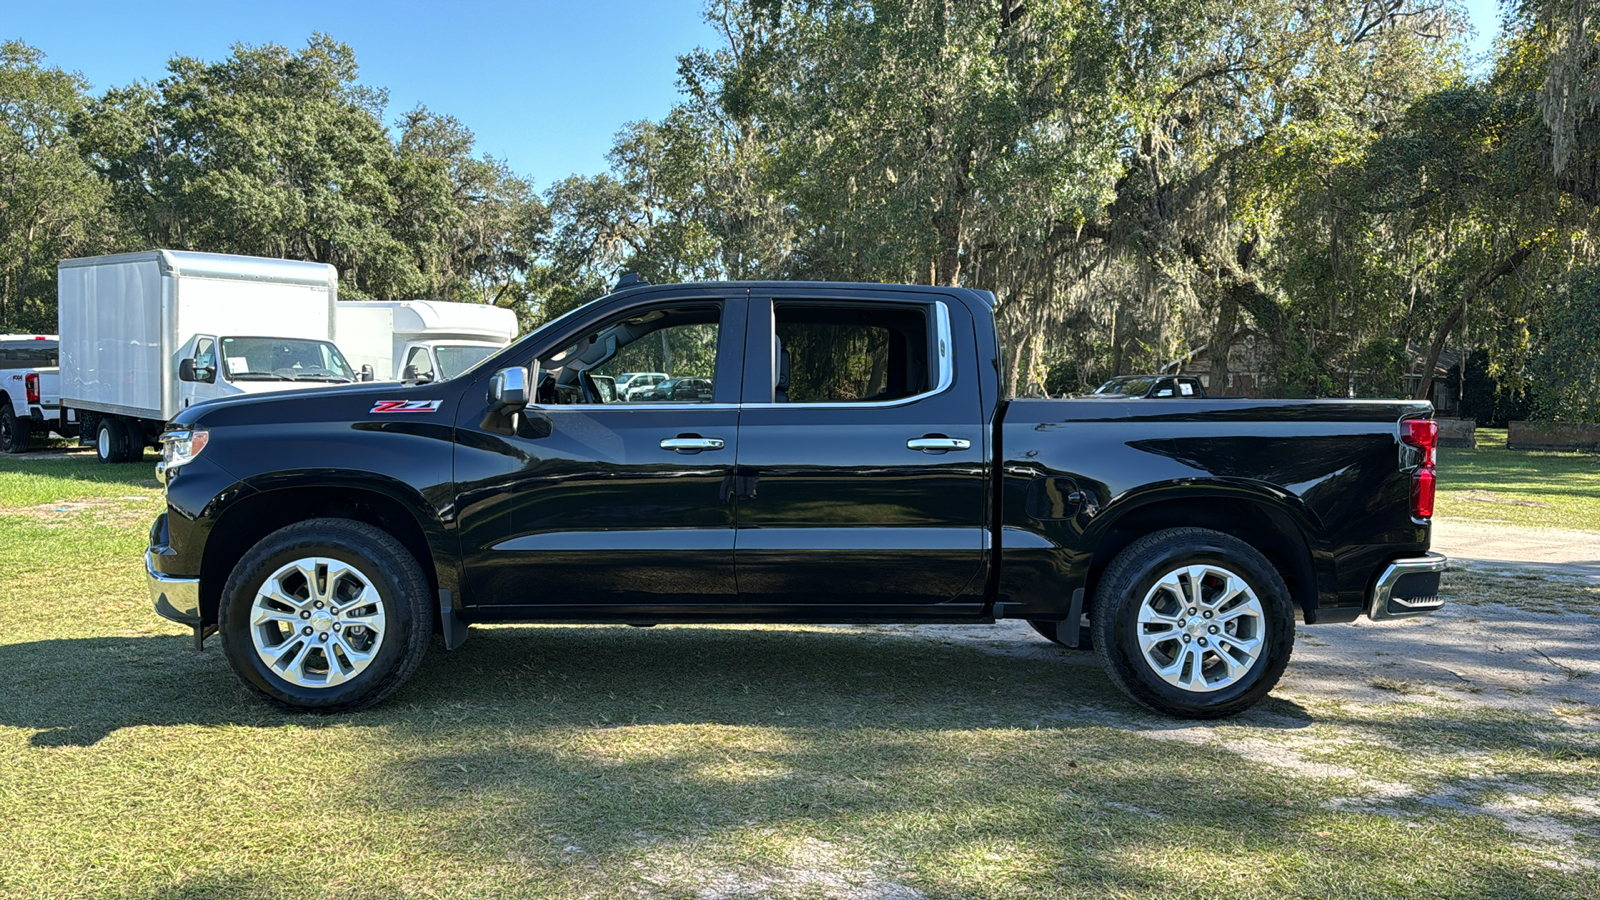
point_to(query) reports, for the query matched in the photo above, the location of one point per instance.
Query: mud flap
(455, 630)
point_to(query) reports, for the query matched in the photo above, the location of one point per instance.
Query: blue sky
(544, 85)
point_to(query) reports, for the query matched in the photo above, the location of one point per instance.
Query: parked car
(698, 389)
(1148, 386)
(634, 385)
(323, 533)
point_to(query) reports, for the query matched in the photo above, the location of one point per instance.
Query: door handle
(691, 444)
(937, 444)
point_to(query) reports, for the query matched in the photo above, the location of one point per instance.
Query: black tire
(1051, 631)
(111, 440)
(1134, 575)
(382, 563)
(16, 434)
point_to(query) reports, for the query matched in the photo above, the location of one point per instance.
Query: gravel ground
(1476, 656)
(1549, 550)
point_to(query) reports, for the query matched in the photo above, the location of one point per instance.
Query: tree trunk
(1221, 342)
(1496, 272)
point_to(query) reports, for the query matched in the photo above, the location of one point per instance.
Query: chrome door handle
(937, 444)
(692, 444)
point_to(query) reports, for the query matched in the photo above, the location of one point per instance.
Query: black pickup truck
(853, 460)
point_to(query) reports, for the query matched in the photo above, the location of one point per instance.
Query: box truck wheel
(15, 433)
(112, 443)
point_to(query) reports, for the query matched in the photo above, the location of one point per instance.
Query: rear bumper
(1407, 587)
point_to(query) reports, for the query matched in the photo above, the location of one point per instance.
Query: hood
(328, 403)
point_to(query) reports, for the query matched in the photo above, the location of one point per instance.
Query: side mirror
(188, 371)
(366, 372)
(409, 373)
(510, 389)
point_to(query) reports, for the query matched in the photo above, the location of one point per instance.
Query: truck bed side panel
(1324, 474)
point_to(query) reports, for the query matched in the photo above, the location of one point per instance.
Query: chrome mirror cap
(509, 388)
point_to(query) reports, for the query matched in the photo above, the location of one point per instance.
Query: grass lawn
(1535, 489)
(724, 762)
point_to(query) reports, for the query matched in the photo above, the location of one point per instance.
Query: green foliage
(1490, 395)
(51, 204)
(278, 153)
(1133, 180)
(1566, 375)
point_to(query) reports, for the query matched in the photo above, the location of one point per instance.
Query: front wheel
(328, 615)
(1193, 623)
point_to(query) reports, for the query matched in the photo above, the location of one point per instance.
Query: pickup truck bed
(853, 462)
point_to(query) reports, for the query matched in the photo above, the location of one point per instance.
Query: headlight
(179, 448)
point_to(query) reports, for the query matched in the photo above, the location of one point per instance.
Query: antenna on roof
(632, 279)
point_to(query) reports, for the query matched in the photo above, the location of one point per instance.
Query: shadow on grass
(568, 761)
(76, 691)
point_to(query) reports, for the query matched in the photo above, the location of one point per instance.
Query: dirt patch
(1486, 497)
(104, 511)
(805, 868)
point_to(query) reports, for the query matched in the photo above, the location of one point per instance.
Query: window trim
(942, 359)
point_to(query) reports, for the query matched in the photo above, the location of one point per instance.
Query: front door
(590, 500)
(203, 350)
(862, 475)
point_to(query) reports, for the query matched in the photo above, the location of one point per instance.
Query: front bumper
(1407, 587)
(175, 598)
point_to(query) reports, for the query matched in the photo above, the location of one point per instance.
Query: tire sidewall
(278, 550)
(115, 438)
(1126, 592)
(14, 435)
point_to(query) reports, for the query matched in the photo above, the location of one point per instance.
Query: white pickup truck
(30, 390)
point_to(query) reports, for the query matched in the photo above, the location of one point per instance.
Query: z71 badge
(405, 406)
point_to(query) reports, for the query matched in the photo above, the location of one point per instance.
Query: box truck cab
(434, 340)
(213, 366)
(147, 335)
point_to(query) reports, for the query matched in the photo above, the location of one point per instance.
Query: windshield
(283, 359)
(453, 360)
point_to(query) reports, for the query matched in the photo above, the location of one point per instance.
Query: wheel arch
(1266, 521)
(256, 514)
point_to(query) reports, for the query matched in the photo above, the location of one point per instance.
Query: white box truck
(144, 335)
(435, 339)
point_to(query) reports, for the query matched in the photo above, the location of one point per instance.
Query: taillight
(1424, 435)
(32, 382)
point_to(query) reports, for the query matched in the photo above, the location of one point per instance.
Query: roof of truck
(478, 321)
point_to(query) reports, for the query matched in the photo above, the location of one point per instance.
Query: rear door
(861, 452)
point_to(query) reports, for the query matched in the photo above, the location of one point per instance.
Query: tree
(51, 204)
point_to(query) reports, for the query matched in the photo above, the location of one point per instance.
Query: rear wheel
(15, 433)
(113, 443)
(1193, 623)
(328, 615)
